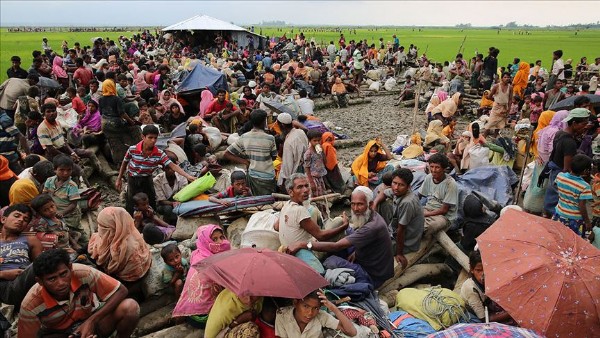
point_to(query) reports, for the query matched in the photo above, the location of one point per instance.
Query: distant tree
(512, 24)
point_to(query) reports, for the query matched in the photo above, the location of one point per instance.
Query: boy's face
(315, 141)
(149, 140)
(239, 187)
(306, 309)
(399, 186)
(16, 221)
(63, 172)
(477, 272)
(123, 83)
(142, 205)
(173, 259)
(48, 210)
(93, 87)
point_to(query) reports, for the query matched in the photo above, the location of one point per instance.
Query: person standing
(490, 66)
(15, 71)
(11, 89)
(359, 65)
(502, 94)
(294, 147)
(558, 68)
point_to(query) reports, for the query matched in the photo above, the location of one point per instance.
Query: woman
(543, 122)
(118, 128)
(7, 178)
(206, 98)
(90, 124)
(520, 80)
(434, 135)
(199, 293)
(118, 247)
(448, 107)
(166, 99)
(339, 93)
(334, 177)
(369, 167)
(142, 87)
(533, 202)
(233, 316)
(59, 72)
(433, 102)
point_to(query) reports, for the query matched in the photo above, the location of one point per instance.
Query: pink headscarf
(442, 95)
(206, 98)
(205, 247)
(57, 68)
(139, 81)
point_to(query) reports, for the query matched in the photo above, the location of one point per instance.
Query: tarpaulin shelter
(200, 78)
(204, 24)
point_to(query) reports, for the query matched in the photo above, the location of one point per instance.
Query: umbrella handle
(487, 315)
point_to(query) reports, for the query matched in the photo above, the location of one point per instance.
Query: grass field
(441, 43)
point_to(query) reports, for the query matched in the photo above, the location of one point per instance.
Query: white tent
(208, 23)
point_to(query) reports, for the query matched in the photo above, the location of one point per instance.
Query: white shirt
(290, 217)
(557, 66)
(26, 173)
(306, 105)
(162, 188)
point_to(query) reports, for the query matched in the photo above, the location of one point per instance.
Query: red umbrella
(543, 274)
(252, 272)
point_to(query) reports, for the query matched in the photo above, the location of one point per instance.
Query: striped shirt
(8, 137)
(571, 190)
(39, 310)
(259, 148)
(62, 195)
(140, 165)
(50, 135)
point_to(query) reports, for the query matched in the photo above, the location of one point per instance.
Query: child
(176, 268)
(306, 319)
(408, 90)
(76, 102)
(200, 158)
(448, 130)
(526, 109)
(153, 229)
(513, 114)
(573, 194)
(65, 194)
(174, 117)
(32, 123)
(333, 179)
(314, 166)
(536, 108)
(238, 188)
(144, 115)
(50, 229)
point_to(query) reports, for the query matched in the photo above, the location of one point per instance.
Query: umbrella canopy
(280, 108)
(544, 275)
(482, 330)
(252, 272)
(569, 102)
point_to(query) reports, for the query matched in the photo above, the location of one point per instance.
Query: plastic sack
(67, 118)
(479, 157)
(260, 233)
(413, 300)
(375, 86)
(214, 136)
(390, 84)
(195, 188)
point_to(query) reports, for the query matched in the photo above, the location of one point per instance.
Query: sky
(381, 13)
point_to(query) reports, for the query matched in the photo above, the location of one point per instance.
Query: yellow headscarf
(109, 88)
(485, 102)
(544, 121)
(360, 166)
(414, 149)
(22, 191)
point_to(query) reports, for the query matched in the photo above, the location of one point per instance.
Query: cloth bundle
(340, 276)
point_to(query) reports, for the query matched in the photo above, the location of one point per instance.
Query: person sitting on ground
(369, 166)
(333, 179)
(173, 117)
(17, 251)
(339, 93)
(50, 229)
(306, 105)
(473, 292)
(408, 90)
(475, 222)
(233, 316)
(118, 247)
(217, 106)
(441, 192)
(227, 119)
(201, 161)
(45, 313)
(435, 135)
(154, 229)
(176, 268)
(408, 219)
(370, 239)
(166, 185)
(238, 188)
(7, 179)
(25, 189)
(306, 319)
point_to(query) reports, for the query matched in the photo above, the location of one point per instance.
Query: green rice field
(441, 44)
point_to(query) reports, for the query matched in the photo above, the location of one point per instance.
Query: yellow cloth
(433, 102)
(360, 166)
(109, 88)
(5, 172)
(411, 301)
(226, 308)
(434, 133)
(22, 191)
(520, 80)
(543, 122)
(414, 149)
(448, 107)
(485, 102)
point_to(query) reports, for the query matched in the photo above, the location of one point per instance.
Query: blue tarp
(202, 77)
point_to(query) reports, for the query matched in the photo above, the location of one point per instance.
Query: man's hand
(11, 274)
(402, 260)
(345, 221)
(224, 203)
(86, 329)
(295, 247)
(119, 184)
(75, 157)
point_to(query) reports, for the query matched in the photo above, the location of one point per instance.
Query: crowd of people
(76, 109)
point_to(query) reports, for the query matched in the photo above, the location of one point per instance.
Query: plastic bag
(390, 84)
(195, 188)
(375, 86)
(479, 157)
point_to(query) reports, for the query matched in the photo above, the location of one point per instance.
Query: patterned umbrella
(544, 275)
(488, 330)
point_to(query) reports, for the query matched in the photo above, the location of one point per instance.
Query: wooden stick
(529, 139)
(415, 110)
(318, 198)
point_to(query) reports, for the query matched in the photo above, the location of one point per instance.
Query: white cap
(284, 118)
(252, 84)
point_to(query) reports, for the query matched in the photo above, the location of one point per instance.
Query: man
(441, 192)
(216, 106)
(331, 51)
(9, 135)
(267, 60)
(295, 223)
(11, 89)
(359, 65)
(65, 301)
(16, 253)
(256, 149)
(294, 146)
(306, 105)
(594, 68)
(82, 75)
(15, 71)
(370, 239)
(51, 135)
(408, 220)
(396, 43)
(554, 95)
(400, 60)
(558, 68)
(166, 185)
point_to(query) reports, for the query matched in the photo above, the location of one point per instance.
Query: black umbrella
(569, 102)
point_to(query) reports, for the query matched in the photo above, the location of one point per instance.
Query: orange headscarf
(329, 151)
(360, 166)
(5, 172)
(520, 80)
(109, 88)
(485, 102)
(118, 247)
(544, 121)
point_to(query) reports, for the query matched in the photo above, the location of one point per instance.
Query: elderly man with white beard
(370, 239)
